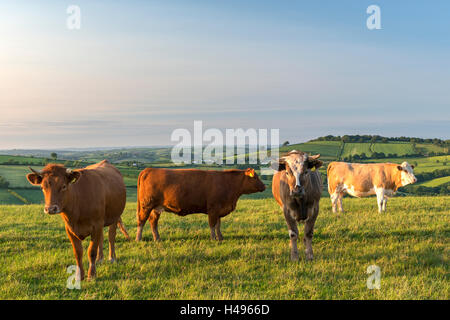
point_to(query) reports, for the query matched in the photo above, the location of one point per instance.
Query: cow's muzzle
(53, 209)
(298, 192)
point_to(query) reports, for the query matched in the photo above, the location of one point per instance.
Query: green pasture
(409, 244)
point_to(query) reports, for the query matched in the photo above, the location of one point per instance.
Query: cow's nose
(299, 191)
(51, 209)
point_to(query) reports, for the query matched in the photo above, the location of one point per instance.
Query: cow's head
(297, 165)
(55, 181)
(252, 183)
(407, 174)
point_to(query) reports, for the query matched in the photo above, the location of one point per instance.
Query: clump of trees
(4, 184)
(376, 138)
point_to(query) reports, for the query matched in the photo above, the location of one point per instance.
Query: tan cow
(362, 180)
(87, 199)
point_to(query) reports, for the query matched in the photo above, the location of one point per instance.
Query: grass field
(350, 149)
(436, 182)
(327, 149)
(409, 243)
(394, 148)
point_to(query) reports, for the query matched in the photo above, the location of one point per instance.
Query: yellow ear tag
(250, 173)
(313, 169)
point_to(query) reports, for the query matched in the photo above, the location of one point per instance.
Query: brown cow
(297, 188)
(364, 179)
(88, 199)
(187, 191)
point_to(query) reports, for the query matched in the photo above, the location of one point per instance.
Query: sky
(137, 70)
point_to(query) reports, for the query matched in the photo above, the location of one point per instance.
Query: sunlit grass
(409, 243)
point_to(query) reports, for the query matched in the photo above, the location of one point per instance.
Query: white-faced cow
(361, 180)
(87, 199)
(297, 187)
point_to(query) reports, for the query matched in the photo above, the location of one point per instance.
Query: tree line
(376, 138)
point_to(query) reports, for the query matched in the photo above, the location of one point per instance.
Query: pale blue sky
(137, 70)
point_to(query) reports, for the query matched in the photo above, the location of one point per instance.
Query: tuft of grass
(409, 243)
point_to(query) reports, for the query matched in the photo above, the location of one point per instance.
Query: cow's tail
(328, 178)
(138, 206)
(122, 228)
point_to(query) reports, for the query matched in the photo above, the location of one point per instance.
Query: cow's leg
(385, 200)
(100, 249)
(154, 217)
(78, 252)
(334, 199)
(309, 230)
(92, 250)
(219, 234)
(380, 198)
(112, 242)
(142, 216)
(340, 197)
(293, 234)
(212, 220)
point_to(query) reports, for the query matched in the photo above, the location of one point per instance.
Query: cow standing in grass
(187, 191)
(362, 180)
(297, 187)
(87, 199)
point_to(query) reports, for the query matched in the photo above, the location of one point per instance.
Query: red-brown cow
(87, 199)
(187, 191)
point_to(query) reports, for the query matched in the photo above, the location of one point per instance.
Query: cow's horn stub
(34, 171)
(317, 156)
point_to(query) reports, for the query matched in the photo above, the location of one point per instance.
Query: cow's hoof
(99, 260)
(112, 260)
(294, 257)
(309, 257)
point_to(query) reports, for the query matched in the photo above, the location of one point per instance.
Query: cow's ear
(412, 166)
(278, 165)
(250, 172)
(73, 176)
(34, 179)
(314, 162)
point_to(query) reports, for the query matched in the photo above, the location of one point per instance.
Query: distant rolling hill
(430, 158)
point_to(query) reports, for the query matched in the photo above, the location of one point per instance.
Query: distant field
(409, 244)
(400, 149)
(16, 175)
(435, 182)
(350, 149)
(7, 198)
(423, 164)
(430, 148)
(327, 149)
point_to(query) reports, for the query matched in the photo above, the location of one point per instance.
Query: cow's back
(180, 191)
(101, 188)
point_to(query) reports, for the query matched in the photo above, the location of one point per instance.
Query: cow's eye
(64, 187)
